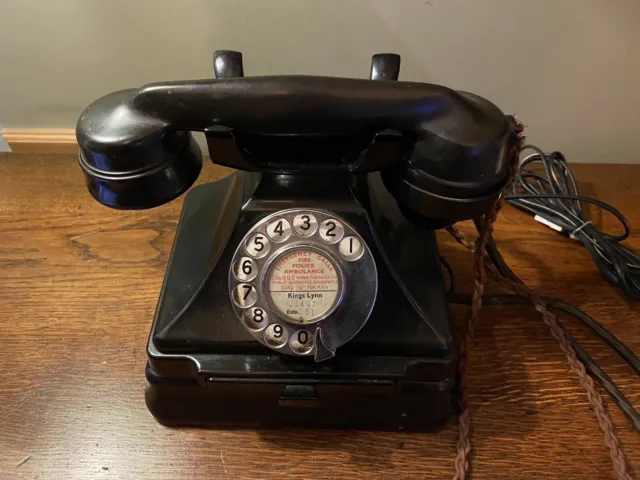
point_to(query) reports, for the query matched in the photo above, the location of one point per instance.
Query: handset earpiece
(447, 180)
(128, 165)
(124, 166)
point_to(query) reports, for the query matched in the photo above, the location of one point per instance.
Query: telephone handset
(311, 274)
(444, 151)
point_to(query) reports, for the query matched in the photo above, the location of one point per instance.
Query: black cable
(553, 198)
(608, 337)
(590, 365)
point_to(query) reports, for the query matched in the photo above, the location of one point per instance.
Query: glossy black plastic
(390, 157)
(291, 105)
(227, 64)
(385, 66)
(205, 369)
(145, 186)
(449, 153)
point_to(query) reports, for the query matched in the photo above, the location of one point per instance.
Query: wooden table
(78, 288)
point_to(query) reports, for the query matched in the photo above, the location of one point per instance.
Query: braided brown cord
(482, 262)
(486, 230)
(595, 399)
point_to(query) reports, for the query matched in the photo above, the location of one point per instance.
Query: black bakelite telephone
(310, 277)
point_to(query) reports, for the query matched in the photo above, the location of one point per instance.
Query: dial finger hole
(279, 230)
(245, 295)
(331, 230)
(257, 245)
(305, 224)
(275, 335)
(256, 318)
(301, 342)
(245, 269)
(351, 248)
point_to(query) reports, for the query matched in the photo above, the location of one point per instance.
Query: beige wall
(569, 68)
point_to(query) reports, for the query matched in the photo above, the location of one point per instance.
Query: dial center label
(303, 285)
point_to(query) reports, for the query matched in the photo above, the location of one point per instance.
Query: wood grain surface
(78, 288)
(41, 140)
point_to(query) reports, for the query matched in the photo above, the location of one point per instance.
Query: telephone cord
(564, 340)
(591, 366)
(553, 199)
(482, 263)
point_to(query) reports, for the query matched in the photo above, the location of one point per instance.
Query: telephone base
(262, 403)
(397, 373)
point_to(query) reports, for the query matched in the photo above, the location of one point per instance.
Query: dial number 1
(351, 248)
(301, 342)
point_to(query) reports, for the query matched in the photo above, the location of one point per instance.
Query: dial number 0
(302, 342)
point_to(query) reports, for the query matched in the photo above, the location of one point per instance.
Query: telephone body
(305, 288)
